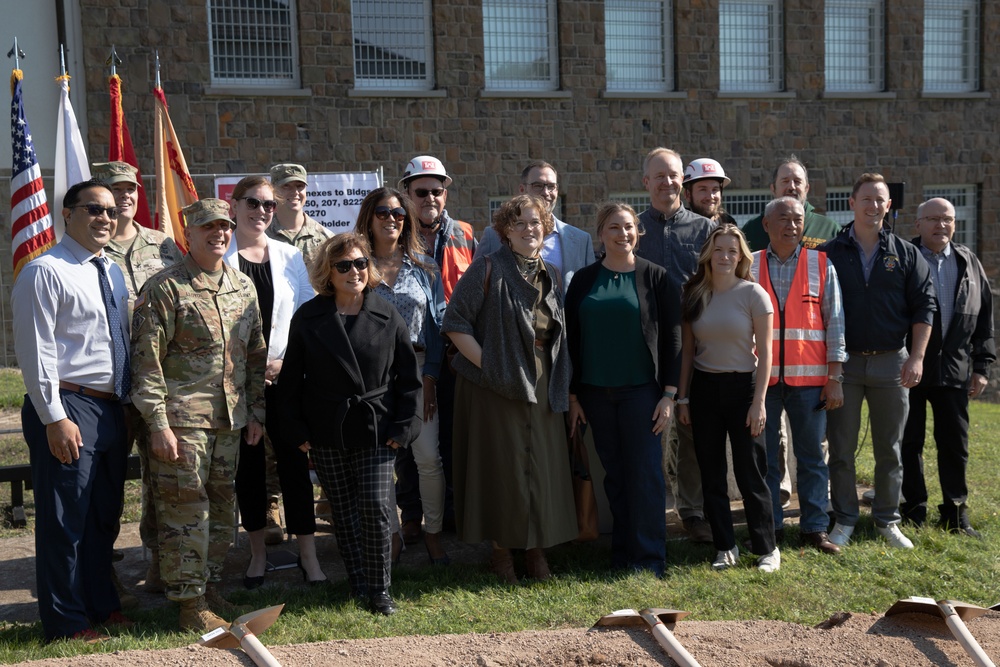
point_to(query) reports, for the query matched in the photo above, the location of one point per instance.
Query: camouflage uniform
(307, 240)
(149, 253)
(198, 358)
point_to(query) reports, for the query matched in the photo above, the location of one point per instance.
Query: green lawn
(867, 578)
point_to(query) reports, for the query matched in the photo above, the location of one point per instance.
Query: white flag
(72, 165)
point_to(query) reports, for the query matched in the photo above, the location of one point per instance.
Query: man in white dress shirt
(70, 338)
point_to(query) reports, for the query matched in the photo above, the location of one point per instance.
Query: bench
(19, 477)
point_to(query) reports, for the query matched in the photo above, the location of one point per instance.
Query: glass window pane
(951, 46)
(638, 45)
(393, 44)
(253, 42)
(854, 36)
(520, 48)
(751, 51)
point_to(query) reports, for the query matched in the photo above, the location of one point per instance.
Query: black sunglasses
(361, 263)
(423, 192)
(383, 212)
(253, 203)
(96, 210)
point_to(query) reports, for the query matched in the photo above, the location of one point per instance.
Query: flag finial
(156, 55)
(113, 61)
(16, 54)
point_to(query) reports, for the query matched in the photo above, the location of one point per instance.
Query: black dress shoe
(382, 603)
(820, 540)
(250, 583)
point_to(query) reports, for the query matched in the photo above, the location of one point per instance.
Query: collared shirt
(867, 261)
(148, 253)
(944, 274)
(308, 239)
(61, 327)
(408, 298)
(674, 242)
(552, 249)
(832, 306)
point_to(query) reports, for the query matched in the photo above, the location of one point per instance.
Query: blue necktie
(123, 374)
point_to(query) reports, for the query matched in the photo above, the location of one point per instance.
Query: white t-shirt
(724, 341)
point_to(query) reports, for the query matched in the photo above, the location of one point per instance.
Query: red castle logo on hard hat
(428, 164)
(707, 168)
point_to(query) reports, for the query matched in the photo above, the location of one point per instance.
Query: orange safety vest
(456, 256)
(798, 342)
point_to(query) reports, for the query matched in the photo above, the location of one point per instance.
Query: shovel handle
(667, 640)
(257, 651)
(964, 637)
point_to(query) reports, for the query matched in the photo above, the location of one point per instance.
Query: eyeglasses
(361, 263)
(938, 219)
(95, 210)
(423, 192)
(253, 203)
(521, 225)
(383, 212)
(539, 186)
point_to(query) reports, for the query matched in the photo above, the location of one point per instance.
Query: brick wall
(597, 143)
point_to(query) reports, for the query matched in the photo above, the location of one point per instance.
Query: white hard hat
(425, 165)
(705, 168)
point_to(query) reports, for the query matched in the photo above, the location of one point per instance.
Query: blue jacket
(879, 313)
(434, 291)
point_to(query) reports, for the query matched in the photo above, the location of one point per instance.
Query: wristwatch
(837, 378)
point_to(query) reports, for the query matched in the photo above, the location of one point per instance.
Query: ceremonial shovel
(954, 614)
(655, 618)
(243, 633)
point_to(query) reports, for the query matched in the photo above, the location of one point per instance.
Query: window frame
(869, 78)
(267, 82)
(774, 67)
(513, 83)
(666, 81)
(968, 41)
(424, 42)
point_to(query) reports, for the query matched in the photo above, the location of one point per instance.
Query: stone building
(903, 87)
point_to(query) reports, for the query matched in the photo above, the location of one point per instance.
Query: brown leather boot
(214, 599)
(273, 534)
(502, 565)
(537, 566)
(154, 582)
(195, 615)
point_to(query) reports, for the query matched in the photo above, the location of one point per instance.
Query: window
(745, 204)
(393, 44)
(639, 45)
(838, 205)
(855, 45)
(521, 49)
(963, 198)
(951, 46)
(639, 201)
(751, 50)
(253, 42)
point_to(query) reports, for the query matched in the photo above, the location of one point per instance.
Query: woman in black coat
(352, 395)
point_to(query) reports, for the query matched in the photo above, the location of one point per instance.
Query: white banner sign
(333, 200)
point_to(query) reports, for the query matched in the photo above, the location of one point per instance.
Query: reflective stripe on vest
(456, 256)
(799, 336)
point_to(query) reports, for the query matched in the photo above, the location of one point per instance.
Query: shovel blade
(930, 606)
(667, 615)
(626, 617)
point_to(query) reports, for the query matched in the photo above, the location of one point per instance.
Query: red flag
(31, 225)
(174, 187)
(121, 150)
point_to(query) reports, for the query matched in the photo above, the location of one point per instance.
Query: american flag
(31, 229)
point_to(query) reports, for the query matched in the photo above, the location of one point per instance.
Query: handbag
(583, 486)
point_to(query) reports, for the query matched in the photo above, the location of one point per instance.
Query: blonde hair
(608, 209)
(332, 251)
(697, 291)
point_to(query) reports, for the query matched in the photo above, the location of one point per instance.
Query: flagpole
(16, 54)
(156, 60)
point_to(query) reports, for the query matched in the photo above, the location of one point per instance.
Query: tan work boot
(273, 533)
(126, 597)
(195, 615)
(154, 583)
(215, 600)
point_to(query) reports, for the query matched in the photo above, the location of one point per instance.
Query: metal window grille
(963, 198)
(951, 46)
(253, 42)
(393, 44)
(639, 201)
(638, 45)
(751, 47)
(855, 45)
(838, 205)
(745, 204)
(521, 44)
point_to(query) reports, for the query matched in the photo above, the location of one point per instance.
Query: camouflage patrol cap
(205, 211)
(114, 172)
(286, 173)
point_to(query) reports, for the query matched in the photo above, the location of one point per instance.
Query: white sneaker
(770, 562)
(841, 534)
(894, 537)
(724, 559)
